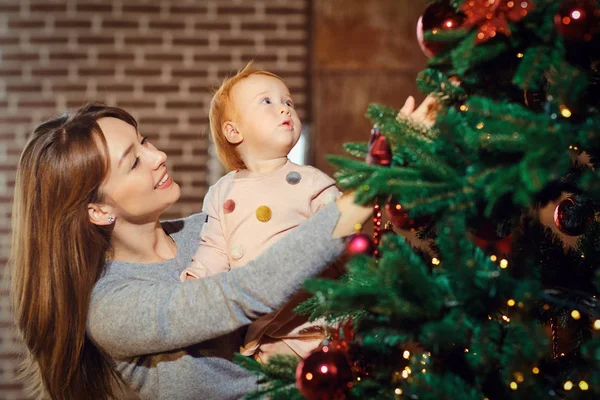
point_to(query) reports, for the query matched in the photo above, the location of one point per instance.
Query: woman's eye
(143, 142)
(266, 101)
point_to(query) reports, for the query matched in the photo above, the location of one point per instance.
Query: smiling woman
(95, 276)
(138, 187)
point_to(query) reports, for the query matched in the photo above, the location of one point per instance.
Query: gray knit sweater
(173, 340)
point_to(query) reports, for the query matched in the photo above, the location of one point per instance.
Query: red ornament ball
(565, 220)
(360, 243)
(399, 217)
(577, 19)
(379, 149)
(325, 374)
(437, 17)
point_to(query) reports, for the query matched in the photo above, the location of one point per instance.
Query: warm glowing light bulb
(398, 391)
(503, 263)
(406, 354)
(511, 302)
(435, 261)
(583, 385)
(493, 258)
(536, 370)
(405, 374)
(514, 386)
(565, 112)
(519, 377)
(568, 385)
(597, 324)
(575, 314)
(576, 14)
(308, 376)
(520, 55)
(324, 369)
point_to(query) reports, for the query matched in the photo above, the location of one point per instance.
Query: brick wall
(157, 59)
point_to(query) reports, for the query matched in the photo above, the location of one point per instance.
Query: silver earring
(111, 219)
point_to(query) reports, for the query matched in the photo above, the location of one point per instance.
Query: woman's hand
(424, 114)
(350, 215)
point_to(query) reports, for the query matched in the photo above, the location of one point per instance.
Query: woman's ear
(100, 214)
(231, 133)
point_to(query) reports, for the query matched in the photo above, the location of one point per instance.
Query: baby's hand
(424, 114)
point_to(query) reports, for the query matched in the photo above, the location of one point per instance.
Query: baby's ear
(231, 133)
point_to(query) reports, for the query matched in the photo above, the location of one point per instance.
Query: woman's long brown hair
(57, 254)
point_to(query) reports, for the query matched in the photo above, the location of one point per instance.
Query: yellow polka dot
(263, 214)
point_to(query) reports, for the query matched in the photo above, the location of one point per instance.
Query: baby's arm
(212, 248)
(323, 191)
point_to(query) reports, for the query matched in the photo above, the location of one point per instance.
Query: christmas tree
(496, 306)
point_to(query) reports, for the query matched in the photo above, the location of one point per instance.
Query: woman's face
(138, 187)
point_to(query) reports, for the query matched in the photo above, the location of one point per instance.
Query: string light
(466, 350)
(464, 108)
(480, 125)
(535, 370)
(519, 377)
(398, 391)
(503, 263)
(575, 314)
(597, 324)
(406, 354)
(435, 261)
(565, 112)
(423, 370)
(520, 55)
(405, 374)
(583, 385)
(514, 386)
(505, 317)
(493, 258)
(568, 385)
(511, 302)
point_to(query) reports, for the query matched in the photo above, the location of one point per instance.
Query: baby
(254, 126)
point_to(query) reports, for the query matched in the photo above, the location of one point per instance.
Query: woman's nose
(157, 157)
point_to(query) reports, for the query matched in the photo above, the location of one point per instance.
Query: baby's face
(265, 116)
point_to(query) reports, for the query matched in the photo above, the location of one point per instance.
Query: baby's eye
(289, 103)
(266, 100)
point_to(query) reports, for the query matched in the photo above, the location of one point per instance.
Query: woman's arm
(130, 317)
